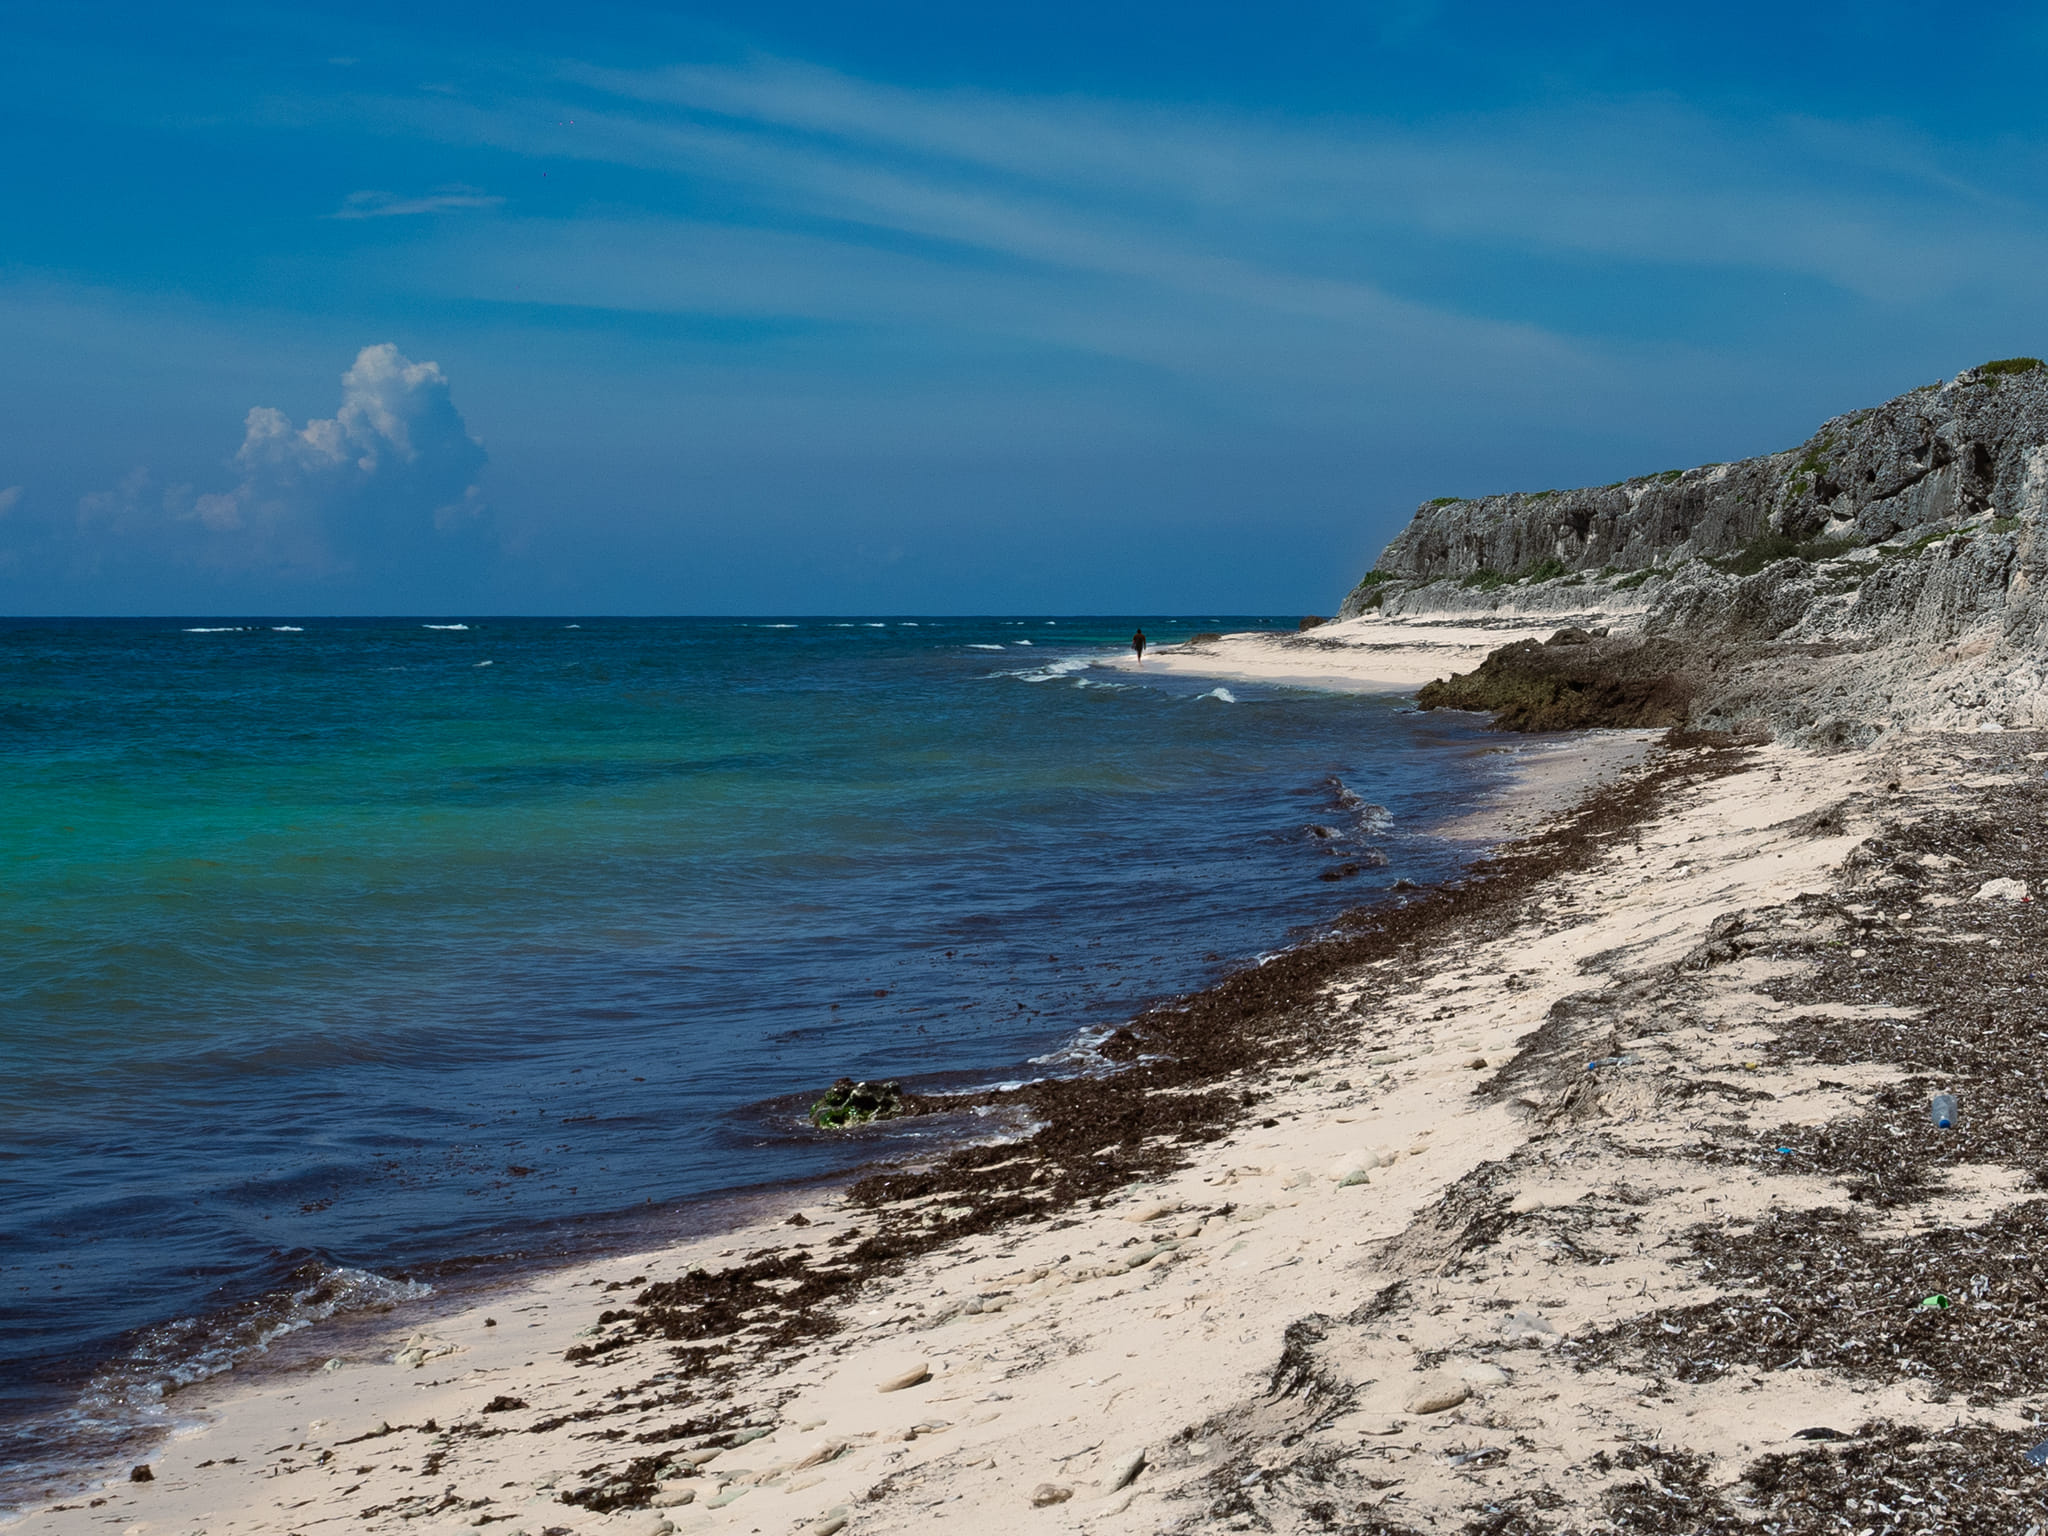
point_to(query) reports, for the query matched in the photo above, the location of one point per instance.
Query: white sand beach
(1363, 655)
(1389, 1285)
(1092, 1374)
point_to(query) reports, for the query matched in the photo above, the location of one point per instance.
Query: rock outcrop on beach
(1886, 572)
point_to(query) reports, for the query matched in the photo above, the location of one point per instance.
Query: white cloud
(386, 205)
(380, 485)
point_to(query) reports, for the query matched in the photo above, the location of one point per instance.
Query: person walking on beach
(1138, 645)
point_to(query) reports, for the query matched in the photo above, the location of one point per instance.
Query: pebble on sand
(1437, 1393)
(1126, 1471)
(921, 1372)
(1528, 1328)
(1045, 1495)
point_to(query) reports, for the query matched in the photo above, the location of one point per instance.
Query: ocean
(341, 956)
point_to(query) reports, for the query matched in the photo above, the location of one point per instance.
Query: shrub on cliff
(1769, 548)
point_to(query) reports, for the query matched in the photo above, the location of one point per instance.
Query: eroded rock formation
(1888, 571)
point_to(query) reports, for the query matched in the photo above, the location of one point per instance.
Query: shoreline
(456, 1284)
(232, 1407)
(1489, 821)
(1566, 1197)
(1437, 1266)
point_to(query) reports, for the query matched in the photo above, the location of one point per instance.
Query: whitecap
(1221, 693)
(1083, 1053)
(874, 626)
(288, 629)
(977, 647)
(1057, 669)
(218, 629)
(483, 663)
(1023, 642)
(908, 624)
(775, 626)
(572, 626)
(444, 626)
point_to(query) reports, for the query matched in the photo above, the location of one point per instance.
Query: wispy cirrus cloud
(387, 205)
(1875, 208)
(1282, 270)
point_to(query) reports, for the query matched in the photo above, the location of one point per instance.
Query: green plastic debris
(1935, 1303)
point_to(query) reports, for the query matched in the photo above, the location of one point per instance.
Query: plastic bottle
(1943, 1110)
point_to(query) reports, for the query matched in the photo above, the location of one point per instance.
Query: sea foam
(1052, 671)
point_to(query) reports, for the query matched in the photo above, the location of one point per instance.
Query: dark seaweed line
(1188, 1071)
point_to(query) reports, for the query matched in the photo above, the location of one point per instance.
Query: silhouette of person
(1138, 645)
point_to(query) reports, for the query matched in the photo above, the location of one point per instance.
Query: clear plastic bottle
(1943, 1110)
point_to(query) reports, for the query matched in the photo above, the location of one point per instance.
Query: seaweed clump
(1572, 681)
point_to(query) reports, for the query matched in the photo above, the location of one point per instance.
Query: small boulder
(1045, 1495)
(1126, 1471)
(2002, 890)
(916, 1375)
(847, 1102)
(1437, 1393)
(421, 1348)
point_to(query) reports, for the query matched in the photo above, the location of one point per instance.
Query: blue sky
(911, 307)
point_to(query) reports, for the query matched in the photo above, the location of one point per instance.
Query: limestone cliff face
(1892, 570)
(1942, 454)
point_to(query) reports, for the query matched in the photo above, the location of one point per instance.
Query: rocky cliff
(1886, 572)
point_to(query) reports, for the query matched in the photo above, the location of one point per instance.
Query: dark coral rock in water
(1571, 682)
(849, 1103)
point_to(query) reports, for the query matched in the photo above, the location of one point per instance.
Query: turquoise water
(339, 951)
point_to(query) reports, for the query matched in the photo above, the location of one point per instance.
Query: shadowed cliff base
(1573, 681)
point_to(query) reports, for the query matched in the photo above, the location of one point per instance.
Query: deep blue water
(371, 945)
